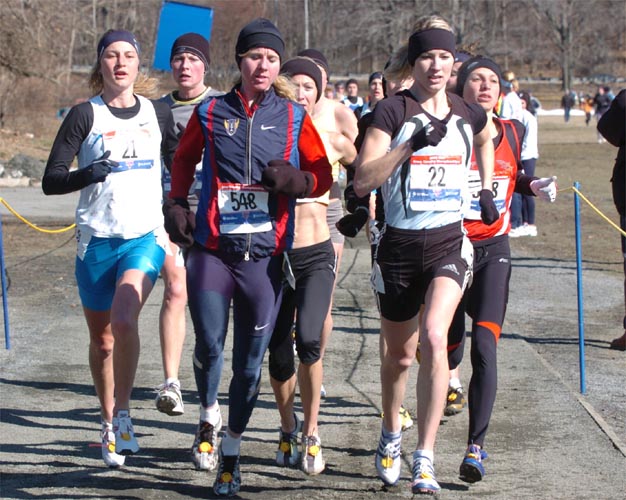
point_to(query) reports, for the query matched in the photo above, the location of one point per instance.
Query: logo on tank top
(231, 125)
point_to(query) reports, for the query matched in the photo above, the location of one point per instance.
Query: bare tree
(43, 42)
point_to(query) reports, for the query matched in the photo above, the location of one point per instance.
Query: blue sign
(177, 19)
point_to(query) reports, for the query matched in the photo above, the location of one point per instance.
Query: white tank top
(128, 203)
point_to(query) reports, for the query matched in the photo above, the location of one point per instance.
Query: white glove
(545, 188)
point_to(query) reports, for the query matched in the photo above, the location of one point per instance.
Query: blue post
(5, 298)
(579, 280)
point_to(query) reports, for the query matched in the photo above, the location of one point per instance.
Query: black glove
(179, 221)
(350, 225)
(429, 135)
(352, 200)
(282, 177)
(488, 211)
(99, 169)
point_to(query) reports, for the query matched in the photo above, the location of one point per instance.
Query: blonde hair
(431, 22)
(144, 85)
(398, 68)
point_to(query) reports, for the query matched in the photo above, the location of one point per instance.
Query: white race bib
(499, 187)
(243, 208)
(436, 182)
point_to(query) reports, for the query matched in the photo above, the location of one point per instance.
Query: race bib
(436, 183)
(131, 148)
(243, 208)
(499, 187)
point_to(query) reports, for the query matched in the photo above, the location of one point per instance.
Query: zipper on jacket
(249, 180)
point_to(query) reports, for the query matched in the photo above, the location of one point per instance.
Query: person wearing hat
(418, 148)
(260, 152)
(485, 300)
(330, 117)
(459, 58)
(376, 93)
(310, 268)
(119, 227)
(189, 61)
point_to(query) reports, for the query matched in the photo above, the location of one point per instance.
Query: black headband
(304, 66)
(472, 64)
(423, 41)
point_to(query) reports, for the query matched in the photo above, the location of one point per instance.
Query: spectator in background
(376, 94)
(340, 89)
(511, 105)
(523, 206)
(352, 98)
(189, 60)
(329, 92)
(586, 104)
(568, 101)
(612, 125)
(601, 103)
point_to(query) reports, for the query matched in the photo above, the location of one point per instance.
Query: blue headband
(113, 36)
(430, 39)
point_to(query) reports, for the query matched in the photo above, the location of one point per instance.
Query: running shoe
(169, 400)
(531, 230)
(228, 480)
(388, 460)
(455, 402)
(288, 454)
(111, 459)
(516, 232)
(312, 459)
(405, 418)
(125, 441)
(472, 470)
(204, 449)
(424, 481)
(323, 392)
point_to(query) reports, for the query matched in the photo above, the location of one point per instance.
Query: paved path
(546, 440)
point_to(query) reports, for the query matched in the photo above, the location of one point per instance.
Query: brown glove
(180, 222)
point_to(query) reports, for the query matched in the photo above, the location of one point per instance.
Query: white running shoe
(388, 460)
(111, 459)
(125, 441)
(312, 458)
(424, 481)
(204, 450)
(169, 400)
(323, 392)
(517, 232)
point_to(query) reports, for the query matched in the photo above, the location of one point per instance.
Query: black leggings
(485, 302)
(313, 268)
